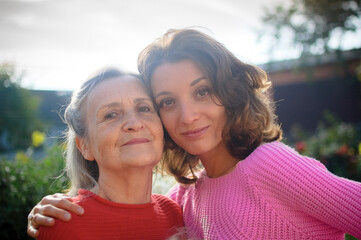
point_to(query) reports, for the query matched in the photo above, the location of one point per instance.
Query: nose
(189, 113)
(132, 122)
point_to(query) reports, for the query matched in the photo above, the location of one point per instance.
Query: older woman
(115, 139)
(215, 111)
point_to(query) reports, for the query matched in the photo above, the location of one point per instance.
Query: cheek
(169, 122)
(155, 126)
(159, 132)
(101, 140)
(105, 135)
(222, 119)
(217, 114)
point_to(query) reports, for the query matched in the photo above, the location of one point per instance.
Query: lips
(135, 141)
(195, 133)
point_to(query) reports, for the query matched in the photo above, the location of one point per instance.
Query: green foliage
(349, 237)
(334, 143)
(18, 111)
(312, 23)
(23, 183)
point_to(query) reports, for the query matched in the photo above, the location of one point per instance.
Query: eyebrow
(116, 104)
(197, 80)
(143, 99)
(112, 104)
(192, 84)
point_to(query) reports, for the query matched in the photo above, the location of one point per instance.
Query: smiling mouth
(195, 133)
(135, 141)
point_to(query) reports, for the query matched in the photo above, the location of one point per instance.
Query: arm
(306, 185)
(50, 207)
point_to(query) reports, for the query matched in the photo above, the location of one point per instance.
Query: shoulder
(79, 226)
(168, 209)
(164, 201)
(177, 192)
(60, 230)
(276, 164)
(274, 149)
(167, 205)
(68, 230)
(277, 156)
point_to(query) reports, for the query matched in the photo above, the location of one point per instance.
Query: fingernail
(80, 211)
(67, 215)
(50, 220)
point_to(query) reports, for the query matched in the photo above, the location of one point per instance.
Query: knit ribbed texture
(103, 219)
(274, 193)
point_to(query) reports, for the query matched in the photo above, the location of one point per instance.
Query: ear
(82, 146)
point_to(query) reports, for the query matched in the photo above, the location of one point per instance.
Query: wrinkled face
(192, 118)
(123, 127)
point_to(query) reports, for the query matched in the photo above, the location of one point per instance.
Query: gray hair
(81, 172)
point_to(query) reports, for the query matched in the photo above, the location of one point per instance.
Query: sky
(57, 44)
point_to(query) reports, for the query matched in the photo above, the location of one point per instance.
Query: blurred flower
(342, 150)
(22, 157)
(38, 138)
(351, 151)
(300, 147)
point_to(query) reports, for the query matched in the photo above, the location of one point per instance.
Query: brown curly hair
(241, 88)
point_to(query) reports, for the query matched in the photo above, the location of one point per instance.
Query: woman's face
(192, 118)
(123, 127)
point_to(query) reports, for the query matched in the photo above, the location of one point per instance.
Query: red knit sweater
(103, 219)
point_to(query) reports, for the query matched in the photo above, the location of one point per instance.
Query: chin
(148, 161)
(141, 160)
(195, 152)
(143, 164)
(198, 150)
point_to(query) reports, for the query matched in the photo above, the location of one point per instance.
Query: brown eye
(202, 92)
(144, 109)
(111, 115)
(167, 102)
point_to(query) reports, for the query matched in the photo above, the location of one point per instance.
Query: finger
(41, 220)
(32, 232)
(50, 211)
(32, 229)
(61, 195)
(58, 203)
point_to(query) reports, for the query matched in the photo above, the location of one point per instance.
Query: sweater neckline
(204, 175)
(86, 193)
(234, 171)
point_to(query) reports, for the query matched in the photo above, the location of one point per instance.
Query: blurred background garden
(317, 95)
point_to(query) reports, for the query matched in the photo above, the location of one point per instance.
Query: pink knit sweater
(274, 193)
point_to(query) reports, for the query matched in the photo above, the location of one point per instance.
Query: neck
(218, 161)
(129, 186)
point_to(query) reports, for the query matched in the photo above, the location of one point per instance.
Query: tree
(311, 24)
(18, 111)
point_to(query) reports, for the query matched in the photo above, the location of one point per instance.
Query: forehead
(120, 86)
(175, 73)
(185, 67)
